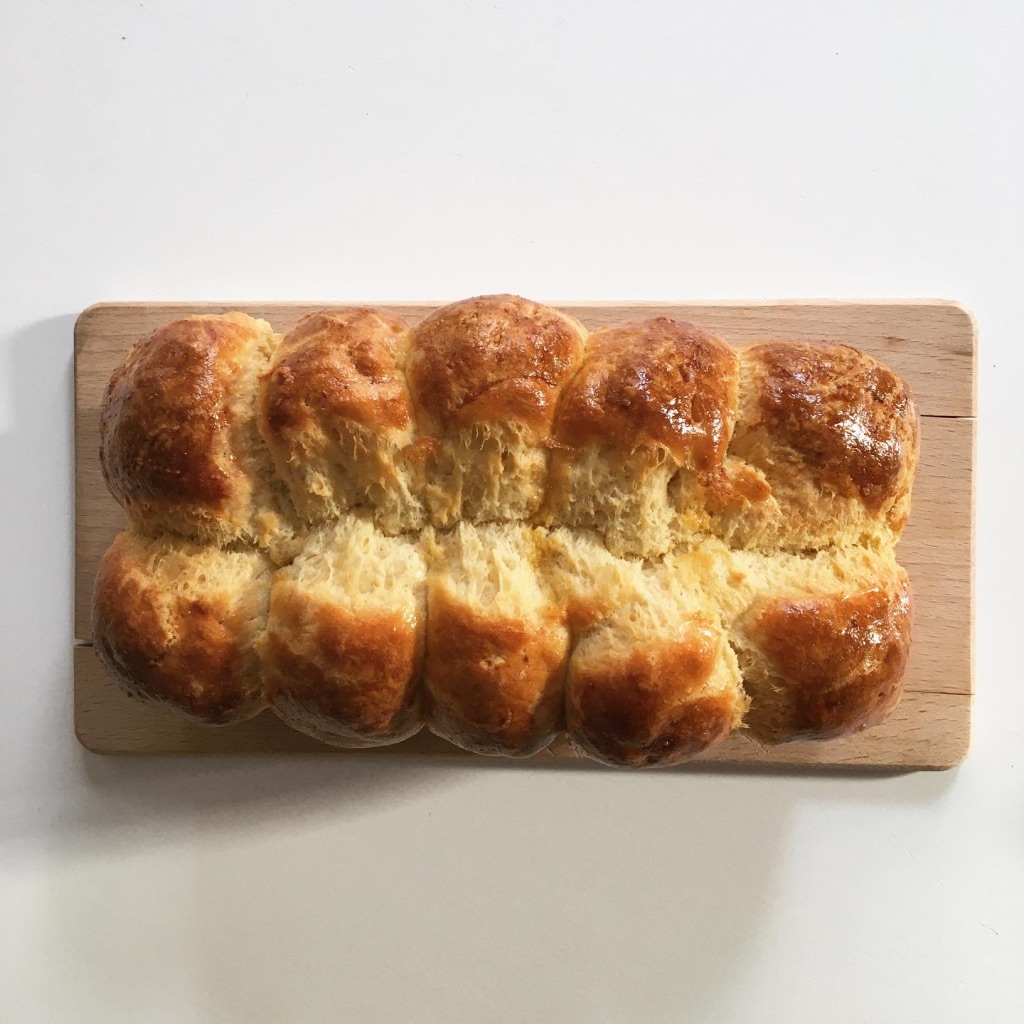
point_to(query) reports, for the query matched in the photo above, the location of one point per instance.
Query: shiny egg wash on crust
(501, 527)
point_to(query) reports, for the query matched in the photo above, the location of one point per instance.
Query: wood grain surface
(932, 344)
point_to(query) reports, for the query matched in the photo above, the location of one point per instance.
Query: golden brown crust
(169, 438)
(835, 664)
(492, 359)
(649, 705)
(335, 415)
(191, 649)
(658, 383)
(493, 684)
(162, 418)
(348, 679)
(337, 365)
(851, 420)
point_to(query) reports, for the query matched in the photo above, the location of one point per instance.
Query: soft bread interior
(272, 520)
(334, 411)
(343, 652)
(491, 568)
(357, 566)
(497, 642)
(174, 571)
(485, 473)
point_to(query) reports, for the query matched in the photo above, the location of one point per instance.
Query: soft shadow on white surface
(162, 800)
(134, 803)
(662, 884)
(36, 546)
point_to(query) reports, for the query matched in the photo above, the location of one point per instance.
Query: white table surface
(194, 150)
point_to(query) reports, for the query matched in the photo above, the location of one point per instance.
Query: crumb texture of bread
(334, 411)
(655, 682)
(497, 642)
(343, 649)
(642, 432)
(500, 527)
(485, 377)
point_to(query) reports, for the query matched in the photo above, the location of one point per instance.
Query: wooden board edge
(90, 312)
(973, 561)
(829, 301)
(266, 736)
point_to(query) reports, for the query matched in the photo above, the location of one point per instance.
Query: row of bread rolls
(500, 526)
(654, 434)
(499, 636)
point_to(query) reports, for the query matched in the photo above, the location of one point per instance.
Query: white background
(603, 150)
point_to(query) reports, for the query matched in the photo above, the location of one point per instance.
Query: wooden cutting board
(930, 343)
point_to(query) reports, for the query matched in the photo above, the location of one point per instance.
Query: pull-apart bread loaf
(502, 527)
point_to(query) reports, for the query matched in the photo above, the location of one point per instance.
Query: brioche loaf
(500, 527)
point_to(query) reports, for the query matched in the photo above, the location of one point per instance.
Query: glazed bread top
(490, 360)
(497, 409)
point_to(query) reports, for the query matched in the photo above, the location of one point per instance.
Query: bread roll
(343, 650)
(822, 639)
(176, 622)
(485, 375)
(179, 445)
(501, 527)
(654, 682)
(335, 413)
(835, 435)
(642, 435)
(497, 643)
